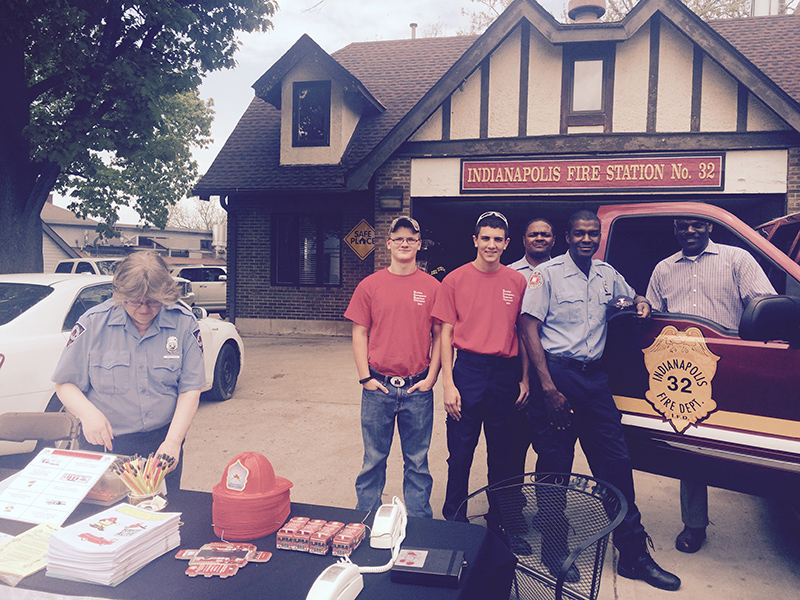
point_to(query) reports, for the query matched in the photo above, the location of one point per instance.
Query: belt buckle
(397, 382)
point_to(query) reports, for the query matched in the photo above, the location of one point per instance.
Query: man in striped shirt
(716, 282)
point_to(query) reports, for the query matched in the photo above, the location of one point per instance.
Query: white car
(37, 313)
(210, 286)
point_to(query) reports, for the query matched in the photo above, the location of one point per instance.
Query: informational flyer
(52, 485)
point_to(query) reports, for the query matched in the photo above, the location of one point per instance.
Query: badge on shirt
(75, 333)
(172, 344)
(536, 280)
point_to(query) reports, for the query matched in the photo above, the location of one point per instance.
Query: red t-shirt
(483, 309)
(396, 309)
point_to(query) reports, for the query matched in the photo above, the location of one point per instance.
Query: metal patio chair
(558, 526)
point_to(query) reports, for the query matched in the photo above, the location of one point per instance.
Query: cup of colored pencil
(144, 477)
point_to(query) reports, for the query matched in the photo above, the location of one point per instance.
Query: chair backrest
(554, 522)
(45, 427)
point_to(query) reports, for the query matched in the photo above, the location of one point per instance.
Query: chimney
(586, 11)
(413, 30)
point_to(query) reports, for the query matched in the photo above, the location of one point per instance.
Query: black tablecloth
(289, 575)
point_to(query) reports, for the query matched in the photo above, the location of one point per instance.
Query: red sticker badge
(535, 280)
(75, 333)
(196, 334)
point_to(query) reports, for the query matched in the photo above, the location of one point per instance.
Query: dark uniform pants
(489, 388)
(597, 423)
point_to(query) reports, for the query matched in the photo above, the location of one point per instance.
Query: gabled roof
(411, 79)
(268, 85)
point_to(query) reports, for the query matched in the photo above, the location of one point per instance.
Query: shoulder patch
(196, 334)
(75, 333)
(535, 280)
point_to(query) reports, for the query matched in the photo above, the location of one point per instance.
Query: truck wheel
(226, 373)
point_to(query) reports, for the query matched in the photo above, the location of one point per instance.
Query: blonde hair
(144, 275)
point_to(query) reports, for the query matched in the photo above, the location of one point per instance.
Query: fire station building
(532, 118)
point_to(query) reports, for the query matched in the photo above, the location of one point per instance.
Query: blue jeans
(414, 414)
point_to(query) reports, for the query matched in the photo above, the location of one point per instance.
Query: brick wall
(255, 296)
(394, 173)
(793, 183)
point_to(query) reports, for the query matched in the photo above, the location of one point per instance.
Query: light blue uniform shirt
(572, 307)
(134, 380)
(523, 266)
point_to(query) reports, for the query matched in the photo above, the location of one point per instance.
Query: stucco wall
(430, 129)
(674, 80)
(631, 79)
(718, 104)
(544, 86)
(760, 118)
(465, 109)
(344, 119)
(504, 88)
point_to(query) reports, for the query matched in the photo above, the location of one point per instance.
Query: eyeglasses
(400, 240)
(492, 213)
(148, 303)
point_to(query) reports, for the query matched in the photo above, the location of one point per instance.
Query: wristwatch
(365, 380)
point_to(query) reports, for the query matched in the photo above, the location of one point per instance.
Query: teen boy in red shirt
(396, 349)
(479, 306)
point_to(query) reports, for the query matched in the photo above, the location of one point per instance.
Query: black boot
(635, 562)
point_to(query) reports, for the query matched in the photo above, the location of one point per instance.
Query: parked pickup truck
(696, 398)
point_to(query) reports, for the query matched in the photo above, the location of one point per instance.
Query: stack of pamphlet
(112, 545)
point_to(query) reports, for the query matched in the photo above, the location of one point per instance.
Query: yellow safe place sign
(361, 239)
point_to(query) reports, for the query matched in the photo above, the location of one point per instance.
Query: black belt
(396, 381)
(587, 366)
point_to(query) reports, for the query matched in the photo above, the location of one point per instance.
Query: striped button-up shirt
(717, 284)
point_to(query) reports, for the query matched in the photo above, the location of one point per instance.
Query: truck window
(637, 243)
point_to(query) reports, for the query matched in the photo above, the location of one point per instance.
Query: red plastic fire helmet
(250, 501)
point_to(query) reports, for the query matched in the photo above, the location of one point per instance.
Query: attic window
(311, 113)
(588, 86)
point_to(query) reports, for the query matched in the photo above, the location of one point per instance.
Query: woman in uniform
(133, 369)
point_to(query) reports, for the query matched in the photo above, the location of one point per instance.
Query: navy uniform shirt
(572, 306)
(134, 380)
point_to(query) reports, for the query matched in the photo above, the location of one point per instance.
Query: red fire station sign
(361, 239)
(623, 173)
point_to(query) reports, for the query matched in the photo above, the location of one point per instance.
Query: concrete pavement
(297, 403)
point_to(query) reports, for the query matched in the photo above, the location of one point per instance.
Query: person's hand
(97, 430)
(424, 385)
(452, 402)
(373, 384)
(524, 394)
(171, 449)
(558, 408)
(643, 309)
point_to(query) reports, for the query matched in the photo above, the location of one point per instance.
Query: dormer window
(588, 87)
(311, 113)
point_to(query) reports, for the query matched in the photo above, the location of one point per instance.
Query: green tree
(100, 98)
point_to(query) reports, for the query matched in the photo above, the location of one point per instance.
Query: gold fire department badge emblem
(681, 369)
